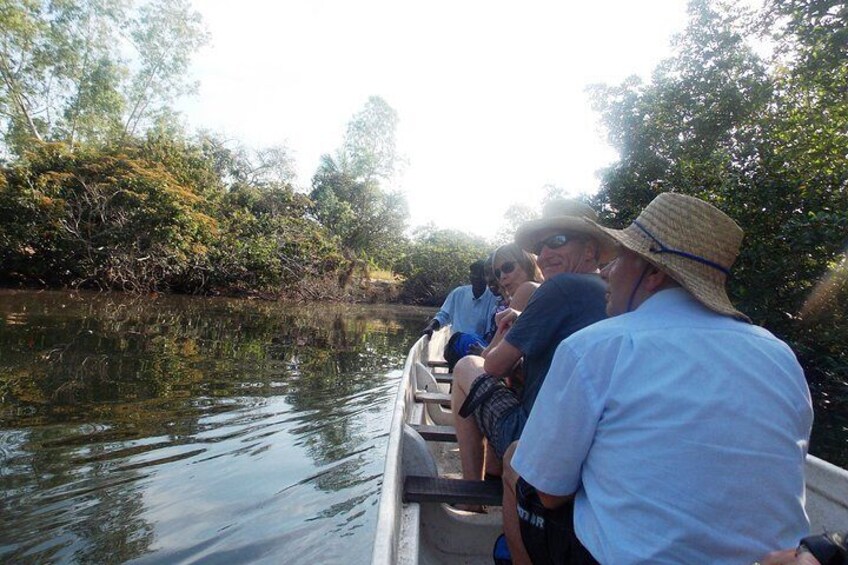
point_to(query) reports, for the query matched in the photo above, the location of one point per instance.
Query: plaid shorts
(489, 400)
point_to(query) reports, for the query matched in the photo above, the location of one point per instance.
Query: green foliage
(763, 139)
(368, 221)
(369, 150)
(112, 219)
(165, 34)
(349, 199)
(65, 77)
(155, 215)
(268, 242)
(436, 262)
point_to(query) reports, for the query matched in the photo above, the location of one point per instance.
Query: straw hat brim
(527, 236)
(705, 283)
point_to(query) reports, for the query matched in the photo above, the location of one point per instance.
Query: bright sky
(491, 95)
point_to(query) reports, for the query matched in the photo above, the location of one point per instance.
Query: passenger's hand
(506, 318)
(431, 326)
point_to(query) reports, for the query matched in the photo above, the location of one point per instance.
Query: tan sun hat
(692, 241)
(569, 216)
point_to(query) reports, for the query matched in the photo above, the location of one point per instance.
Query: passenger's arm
(432, 326)
(522, 295)
(501, 359)
(504, 321)
(443, 316)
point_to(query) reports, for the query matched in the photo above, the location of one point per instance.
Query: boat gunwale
(386, 540)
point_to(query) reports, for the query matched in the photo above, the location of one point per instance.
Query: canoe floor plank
(452, 491)
(436, 433)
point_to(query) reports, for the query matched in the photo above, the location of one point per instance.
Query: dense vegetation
(102, 188)
(765, 138)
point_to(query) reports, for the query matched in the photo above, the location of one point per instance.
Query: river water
(176, 429)
(180, 430)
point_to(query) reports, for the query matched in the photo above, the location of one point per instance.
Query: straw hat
(568, 216)
(692, 241)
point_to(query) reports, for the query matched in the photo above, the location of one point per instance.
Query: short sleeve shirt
(682, 432)
(561, 306)
(465, 313)
(558, 308)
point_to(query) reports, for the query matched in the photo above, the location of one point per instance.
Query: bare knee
(466, 370)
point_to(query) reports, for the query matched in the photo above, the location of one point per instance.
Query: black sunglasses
(553, 242)
(505, 269)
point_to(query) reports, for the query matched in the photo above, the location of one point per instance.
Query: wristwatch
(828, 548)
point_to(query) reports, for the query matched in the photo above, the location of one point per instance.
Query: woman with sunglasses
(517, 273)
(518, 276)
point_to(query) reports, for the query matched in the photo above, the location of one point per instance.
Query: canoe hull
(438, 534)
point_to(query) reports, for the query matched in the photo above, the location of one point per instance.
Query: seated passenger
(517, 273)
(467, 308)
(519, 276)
(503, 301)
(675, 432)
(571, 298)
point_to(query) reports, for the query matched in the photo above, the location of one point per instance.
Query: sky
(491, 96)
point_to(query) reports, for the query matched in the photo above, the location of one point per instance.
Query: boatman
(571, 298)
(675, 431)
(467, 308)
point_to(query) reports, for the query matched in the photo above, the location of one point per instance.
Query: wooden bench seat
(433, 398)
(452, 491)
(436, 433)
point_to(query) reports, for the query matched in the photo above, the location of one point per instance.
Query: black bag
(548, 535)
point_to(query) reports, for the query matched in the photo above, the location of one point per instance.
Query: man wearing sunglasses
(571, 298)
(675, 431)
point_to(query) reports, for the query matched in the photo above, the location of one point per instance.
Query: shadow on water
(171, 429)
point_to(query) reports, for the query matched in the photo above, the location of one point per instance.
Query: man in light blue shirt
(675, 431)
(468, 308)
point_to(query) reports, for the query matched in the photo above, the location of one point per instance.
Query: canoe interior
(434, 533)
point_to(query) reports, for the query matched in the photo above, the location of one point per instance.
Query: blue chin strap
(636, 287)
(660, 247)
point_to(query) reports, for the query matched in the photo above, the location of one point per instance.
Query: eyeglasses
(505, 269)
(553, 242)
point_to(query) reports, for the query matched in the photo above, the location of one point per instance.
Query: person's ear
(591, 251)
(656, 279)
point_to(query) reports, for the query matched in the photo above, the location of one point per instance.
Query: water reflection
(175, 429)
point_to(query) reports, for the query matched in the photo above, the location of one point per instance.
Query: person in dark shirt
(486, 409)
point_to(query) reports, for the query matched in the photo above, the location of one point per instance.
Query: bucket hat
(692, 241)
(568, 216)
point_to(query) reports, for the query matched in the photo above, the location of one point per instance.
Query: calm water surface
(180, 430)
(173, 429)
